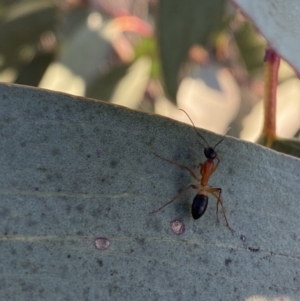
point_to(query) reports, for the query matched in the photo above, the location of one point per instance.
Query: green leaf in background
(148, 46)
(31, 73)
(104, 85)
(287, 146)
(21, 25)
(252, 47)
(181, 24)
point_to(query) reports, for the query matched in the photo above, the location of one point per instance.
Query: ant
(207, 168)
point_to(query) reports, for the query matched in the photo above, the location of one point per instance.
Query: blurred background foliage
(149, 55)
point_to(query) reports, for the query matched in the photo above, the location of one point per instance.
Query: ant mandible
(207, 168)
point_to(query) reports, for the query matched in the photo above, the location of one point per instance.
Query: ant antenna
(195, 127)
(200, 134)
(220, 140)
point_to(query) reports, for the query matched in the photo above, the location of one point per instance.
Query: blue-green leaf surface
(78, 178)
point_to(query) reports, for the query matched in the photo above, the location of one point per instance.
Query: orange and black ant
(207, 168)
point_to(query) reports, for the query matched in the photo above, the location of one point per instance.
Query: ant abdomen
(199, 205)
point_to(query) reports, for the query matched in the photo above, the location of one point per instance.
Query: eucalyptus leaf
(22, 25)
(103, 86)
(252, 48)
(78, 178)
(180, 25)
(286, 146)
(278, 22)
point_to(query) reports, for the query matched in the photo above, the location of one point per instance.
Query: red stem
(272, 61)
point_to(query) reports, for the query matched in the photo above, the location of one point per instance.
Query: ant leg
(218, 190)
(175, 197)
(214, 192)
(180, 165)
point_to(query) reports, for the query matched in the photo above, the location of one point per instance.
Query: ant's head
(210, 153)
